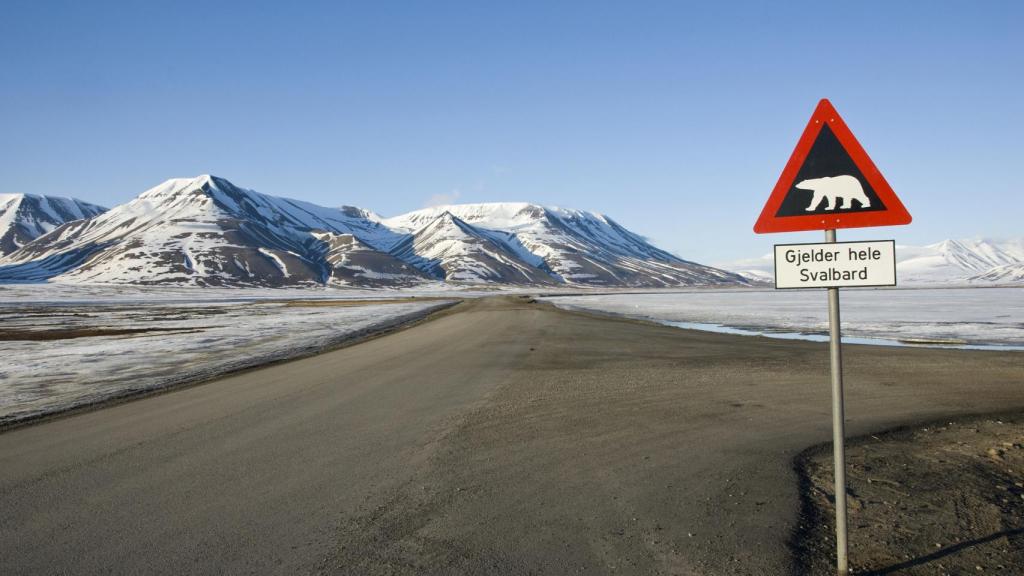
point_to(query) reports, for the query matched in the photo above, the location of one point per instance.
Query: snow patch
(276, 260)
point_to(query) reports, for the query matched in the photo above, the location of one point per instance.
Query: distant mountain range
(206, 231)
(25, 217)
(950, 262)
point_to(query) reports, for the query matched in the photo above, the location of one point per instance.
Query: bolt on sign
(830, 183)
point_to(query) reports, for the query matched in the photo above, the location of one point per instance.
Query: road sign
(829, 183)
(834, 265)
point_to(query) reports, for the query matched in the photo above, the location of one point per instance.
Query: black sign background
(826, 158)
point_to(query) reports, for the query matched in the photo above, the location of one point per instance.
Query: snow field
(972, 316)
(193, 340)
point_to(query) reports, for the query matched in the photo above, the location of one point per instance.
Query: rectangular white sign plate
(835, 264)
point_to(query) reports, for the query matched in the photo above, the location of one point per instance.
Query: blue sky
(673, 118)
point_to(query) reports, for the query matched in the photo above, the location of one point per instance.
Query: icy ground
(55, 293)
(971, 317)
(211, 332)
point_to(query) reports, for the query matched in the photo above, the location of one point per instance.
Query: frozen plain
(973, 317)
(66, 346)
(199, 333)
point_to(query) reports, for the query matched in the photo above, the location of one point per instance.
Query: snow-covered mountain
(958, 261)
(207, 231)
(1006, 274)
(350, 261)
(447, 247)
(571, 246)
(25, 217)
(949, 262)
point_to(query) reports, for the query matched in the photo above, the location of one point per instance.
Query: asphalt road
(502, 437)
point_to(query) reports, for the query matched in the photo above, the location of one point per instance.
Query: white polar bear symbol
(846, 187)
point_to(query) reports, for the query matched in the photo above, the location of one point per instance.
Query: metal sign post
(829, 183)
(835, 346)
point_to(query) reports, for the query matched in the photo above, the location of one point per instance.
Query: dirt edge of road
(398, 324)
(941, 497)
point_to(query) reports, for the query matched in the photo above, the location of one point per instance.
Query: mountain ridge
(207, 231)
(25, 217)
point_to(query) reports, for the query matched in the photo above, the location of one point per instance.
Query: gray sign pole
(838, 424)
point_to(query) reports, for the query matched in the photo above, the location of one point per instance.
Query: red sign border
(894, 214)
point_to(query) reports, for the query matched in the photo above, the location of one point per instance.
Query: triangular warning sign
(830, 182)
